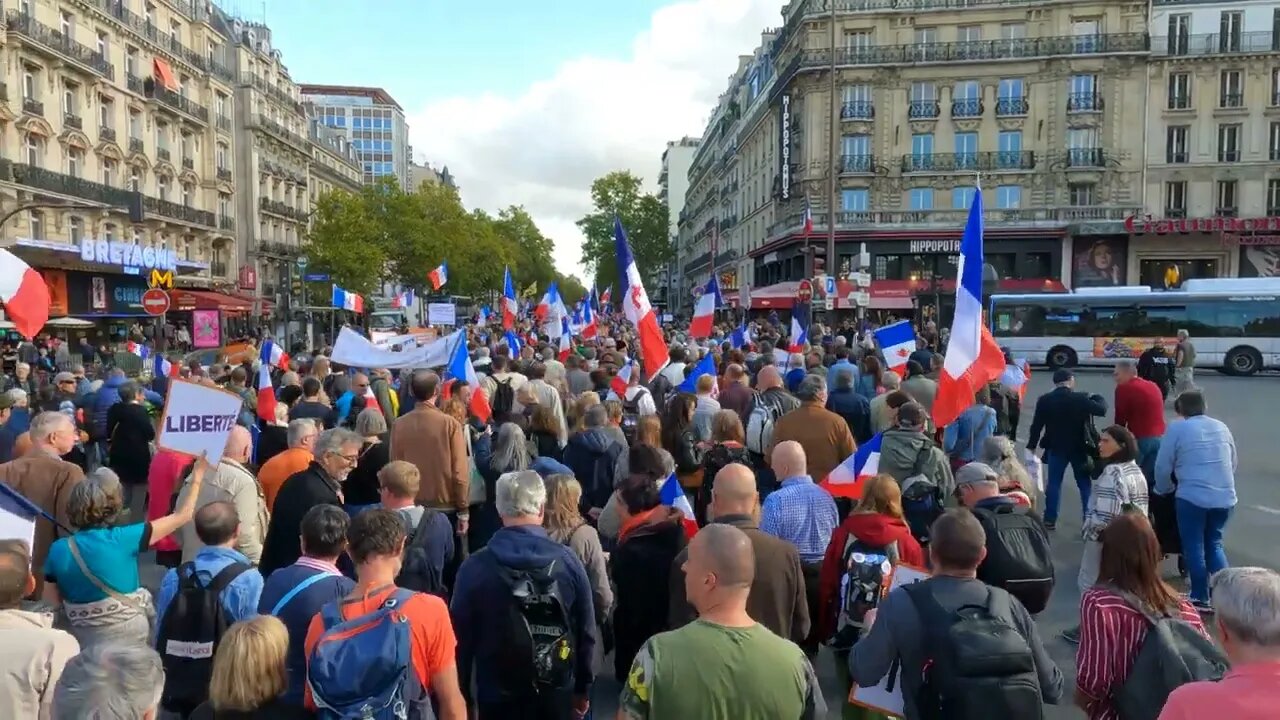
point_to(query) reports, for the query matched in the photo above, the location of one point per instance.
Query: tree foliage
(643, 215)
(385, 233)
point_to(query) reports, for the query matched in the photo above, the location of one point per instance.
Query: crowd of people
(377, 549)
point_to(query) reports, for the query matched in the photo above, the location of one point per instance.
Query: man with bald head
(777, 599)
(234, 483)
(777, 402)
(724, 664)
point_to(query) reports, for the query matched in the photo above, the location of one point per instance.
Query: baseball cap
(1062, 375)
(63, 377)
(976, 472)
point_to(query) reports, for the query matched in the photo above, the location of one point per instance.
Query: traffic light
(136, 215)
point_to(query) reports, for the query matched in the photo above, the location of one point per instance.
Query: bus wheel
(1060, 357)
(1243, 361)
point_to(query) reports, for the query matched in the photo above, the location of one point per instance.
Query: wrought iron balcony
(62, 184)
(1230, 100)
(224, 174)
(1228, 155)
(135, 145)
(107, 134)
(1044, 217)
(1175, 212)
(1179, 102)
(1012, 106)
(858, 110)
(1229, 211)
(177, 211)
(31, 106)
(181, 104)
(226, 223)
(20, 23)
(279, 208)
(72, 121)
(224, 123)
(272, 91)
(163, 155)
(1084, 102)
(971, 161)
(188, 162)
(283, 132)
(966, 108)
(1086, 158)
(1244, 43)
(923, 109)
(218, 268)
(853, 164)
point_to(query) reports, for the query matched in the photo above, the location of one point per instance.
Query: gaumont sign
(1148, 225)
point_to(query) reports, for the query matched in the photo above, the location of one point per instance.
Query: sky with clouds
(528, 102)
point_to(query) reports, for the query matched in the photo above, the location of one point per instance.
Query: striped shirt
(1120, 484)
(803, 514)
(1110, 634)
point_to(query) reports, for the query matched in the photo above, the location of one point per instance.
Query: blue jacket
(835, 369)
(963, 438)
(855, 410)
(108, 395)
(239, 599)
(297, 614)
(480, 595)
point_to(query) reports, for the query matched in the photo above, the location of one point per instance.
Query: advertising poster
(1117, 348)
(1100, 262)
(205, 330)
(57, 282)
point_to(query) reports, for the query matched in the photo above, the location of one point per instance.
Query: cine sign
(162, 279)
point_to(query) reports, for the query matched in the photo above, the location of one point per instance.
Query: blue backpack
(363, 668)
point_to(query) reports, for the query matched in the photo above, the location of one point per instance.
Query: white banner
(356, 350)
(442, 314)
(197, 420)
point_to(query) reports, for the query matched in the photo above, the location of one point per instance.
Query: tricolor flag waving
(799, 331)
(896, 341)
(741, 336)
(266, 394)
(672, 495)
(704, 312)
(973, 358)
(589, 327)
(847, 479)
(460, 368)
(439, 276)
(273, 355)
(622, 380)
(24, 294)
(566, 335)
(606, 298)
(345, 300)
(161, 367)
(636, 307)
(808, 217)
(510, 306)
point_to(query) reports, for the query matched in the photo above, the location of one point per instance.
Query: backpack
(921, 498)
(362, 668)
(504, 398)
(1019, 555)
(1173, 653)
(631, 415)
(1000, 403)
(865, 571)
(189, 633)
(417, 572)
(760, 424)
(597, 474)
(977, 665)
(540, 646)
(661, 387)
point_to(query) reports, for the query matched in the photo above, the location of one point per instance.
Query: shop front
(1164, 253)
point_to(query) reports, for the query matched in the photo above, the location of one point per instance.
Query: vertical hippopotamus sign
(197, 420)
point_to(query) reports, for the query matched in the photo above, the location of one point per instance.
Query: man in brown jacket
(824, 435)
(777, 598)
(437, 445)
(44, 478)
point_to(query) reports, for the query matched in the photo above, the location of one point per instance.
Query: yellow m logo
(161, 279)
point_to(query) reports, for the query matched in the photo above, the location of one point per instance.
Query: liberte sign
(1147, 225)
(128, 255)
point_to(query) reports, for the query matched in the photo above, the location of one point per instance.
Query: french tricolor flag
(403, 299)
(636, 307)
(345, 300)
(799, 331)
(704, 312)
(266, 394)
(896, 341)
(565, 338)
(273, 355)
(589, 327)
(606, 297)
(439, 276)
(741, 336)
(622, 380)
(973, 358)
(460, 368)
(551, 307)
(808, 217)
(510, 306)
(513, 342)
(673, 496)
(483, 317)
(24, 293)
(136, 348)
(162, 367)
(847, 479)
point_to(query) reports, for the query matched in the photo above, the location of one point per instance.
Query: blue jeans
(1055, 470)
(1202, 551)
(1148, 448)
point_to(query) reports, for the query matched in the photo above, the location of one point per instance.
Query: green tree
(532, 250)
(571, 288)
(333, 247)
(643, 215)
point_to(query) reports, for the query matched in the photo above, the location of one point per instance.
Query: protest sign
(18, 517)
(886, 696)
(355, 350)
(442, 314)
(197, 420)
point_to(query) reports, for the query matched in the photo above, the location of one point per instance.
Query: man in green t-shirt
(724, 665)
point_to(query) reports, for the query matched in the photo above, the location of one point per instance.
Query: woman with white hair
(505, 452)
(998, 453)
(110, 682)
(94, 573)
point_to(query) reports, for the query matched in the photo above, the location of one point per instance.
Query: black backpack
(1172, 654)
(504, 398)
(539, 645)
(416, 570)
(631, 415)
(1019, 555)
(1000, 402)
(921, 497)
(661, 387)
(977, 664)
(189, 633)
(864, 574)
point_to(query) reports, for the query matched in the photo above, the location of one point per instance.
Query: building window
(1011, 97)
(106, 113)
(1175, 199)
(1274, 145)
(857, 103)
(162, 187)
(1228, 199)
(1175, 144)
(921, 151)
(1013, 31)
(109, 232)
(135, 180)
(966, 150)
(1275, 84)
(1081, 195)
(1009, 197)
(1273, 196)
(35, 150)
(69, 105)
(962, 198)
(855, 199)
(1229, 142)
(222, 156)
(36, 220)
(969, 33)
(135, 125)
(104, 46)
(131, 61)
(109, 173)
(1231, 89)
(924, 100)
(1180, 91)
(921, 198)
(220, 104)
(1082, 147)
(75, 161)
(1083, 95)
(76, 225)
(1230, 27)
(67, 25)
(29, 87)
(187, 192)
(1179, 34)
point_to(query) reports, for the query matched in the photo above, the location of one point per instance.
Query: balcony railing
(1012, 106)
(107, 134)
(282, 132)
(1175, 212)
(1084, 102)
(852, 164)
(1261, 41)
(1229, 156)
(188, 163)
(91, 60)
(966, 108)
(1179, 102)
(1227, 212)
(1047, 217)
(163, 155)
(218, 268)
(923, 109)
(135, 145)
(73, 121)
(56, 182)
(224, 123)
(251, 80)
(858, 110)
(224, 174)
(32, 106)
(1086, 158)
(279, 208)
(1177, 157)
(177, 211)
(226, 222)
(1230, 101)
(972, 161)
(181, 104)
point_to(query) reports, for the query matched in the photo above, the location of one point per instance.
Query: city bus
(1234, 324)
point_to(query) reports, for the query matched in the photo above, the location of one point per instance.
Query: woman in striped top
(1111, 631)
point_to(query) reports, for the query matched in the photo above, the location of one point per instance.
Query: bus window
(1107, 322)
(1247, 318)
(1158, 321)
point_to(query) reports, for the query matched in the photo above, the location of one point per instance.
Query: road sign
(861, 279)
(858, 298)
(829, 285)
(830, 302)
(301, 262)
(155, 301)
(804, 292)
(316, 277)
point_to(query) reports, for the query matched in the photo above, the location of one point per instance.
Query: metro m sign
(162, 279)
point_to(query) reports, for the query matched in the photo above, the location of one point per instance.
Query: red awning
(207, 300)
(267, 305)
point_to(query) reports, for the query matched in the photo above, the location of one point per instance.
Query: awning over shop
(208, 300)
(267, 305)
(888, 294)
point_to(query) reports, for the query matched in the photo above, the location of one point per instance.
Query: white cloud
(542, 148)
